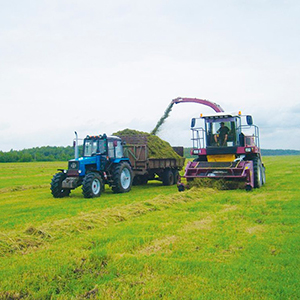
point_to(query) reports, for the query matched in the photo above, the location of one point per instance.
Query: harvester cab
(102, 163)
(226, 145)
(222, 134)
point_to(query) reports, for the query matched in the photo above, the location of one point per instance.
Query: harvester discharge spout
(216, 107)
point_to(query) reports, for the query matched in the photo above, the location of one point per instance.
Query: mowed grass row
(151, 243)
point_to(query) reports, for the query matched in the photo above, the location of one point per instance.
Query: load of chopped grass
(157, 148)
(218, 184)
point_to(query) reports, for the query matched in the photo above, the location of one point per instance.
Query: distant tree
(25, 157)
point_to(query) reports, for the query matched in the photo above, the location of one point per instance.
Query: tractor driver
(222, 135)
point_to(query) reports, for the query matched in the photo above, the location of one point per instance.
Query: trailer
(145, 167)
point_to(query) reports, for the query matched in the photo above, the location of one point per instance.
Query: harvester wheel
(92, 185)
(258, 172)
(263, 174)
(168, 177)
(122, 178)
(56, 186)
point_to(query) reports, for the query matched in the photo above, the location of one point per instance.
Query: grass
(151, 243)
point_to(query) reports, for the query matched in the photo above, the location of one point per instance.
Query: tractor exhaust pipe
(76, 145)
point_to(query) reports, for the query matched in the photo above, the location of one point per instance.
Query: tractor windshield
(92, 147)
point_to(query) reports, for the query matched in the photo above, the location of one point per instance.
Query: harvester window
(221, 132)
(231, 140)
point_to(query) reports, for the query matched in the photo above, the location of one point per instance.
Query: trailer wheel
(258, 172)
(144, 179)
(140, 180)
(176, 176)
(92, 185)
(122, 178)
(168, 177)
(56, 186)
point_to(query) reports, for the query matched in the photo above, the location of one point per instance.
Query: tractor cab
(111, 147)
(98, 152)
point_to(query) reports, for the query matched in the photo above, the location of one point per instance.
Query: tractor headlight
(248, 150)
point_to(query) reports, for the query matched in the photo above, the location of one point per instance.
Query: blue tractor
(102, 163)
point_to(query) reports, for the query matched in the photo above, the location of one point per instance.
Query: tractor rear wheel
(56, 186)
(168, 177)
(92, 185)
(122, 178)
(258, 172)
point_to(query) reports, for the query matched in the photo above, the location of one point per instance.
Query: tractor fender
(119, 160)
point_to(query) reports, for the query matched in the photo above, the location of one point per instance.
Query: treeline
(279, 152)
(38, 154)
(66, 153)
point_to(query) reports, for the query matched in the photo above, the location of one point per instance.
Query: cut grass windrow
(33, 238)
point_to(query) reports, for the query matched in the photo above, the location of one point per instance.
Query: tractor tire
(144, 179)
(263, 174)
(56, 186)
(122, 178)
(168, 177)
(258, 172)
(175, 176)
(140, 180)
(92, 185)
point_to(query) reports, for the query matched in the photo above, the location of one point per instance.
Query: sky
(97, 67)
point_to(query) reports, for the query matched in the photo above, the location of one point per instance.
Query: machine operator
(222, 135)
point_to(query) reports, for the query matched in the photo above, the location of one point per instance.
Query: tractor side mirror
(249, 120)
(193, 122)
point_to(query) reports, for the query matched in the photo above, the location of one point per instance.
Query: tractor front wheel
(56, 186)
(122, 178)
(92, 185)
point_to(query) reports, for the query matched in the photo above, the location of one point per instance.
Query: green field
(151, 243)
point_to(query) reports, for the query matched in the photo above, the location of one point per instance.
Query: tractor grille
(73, 165)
